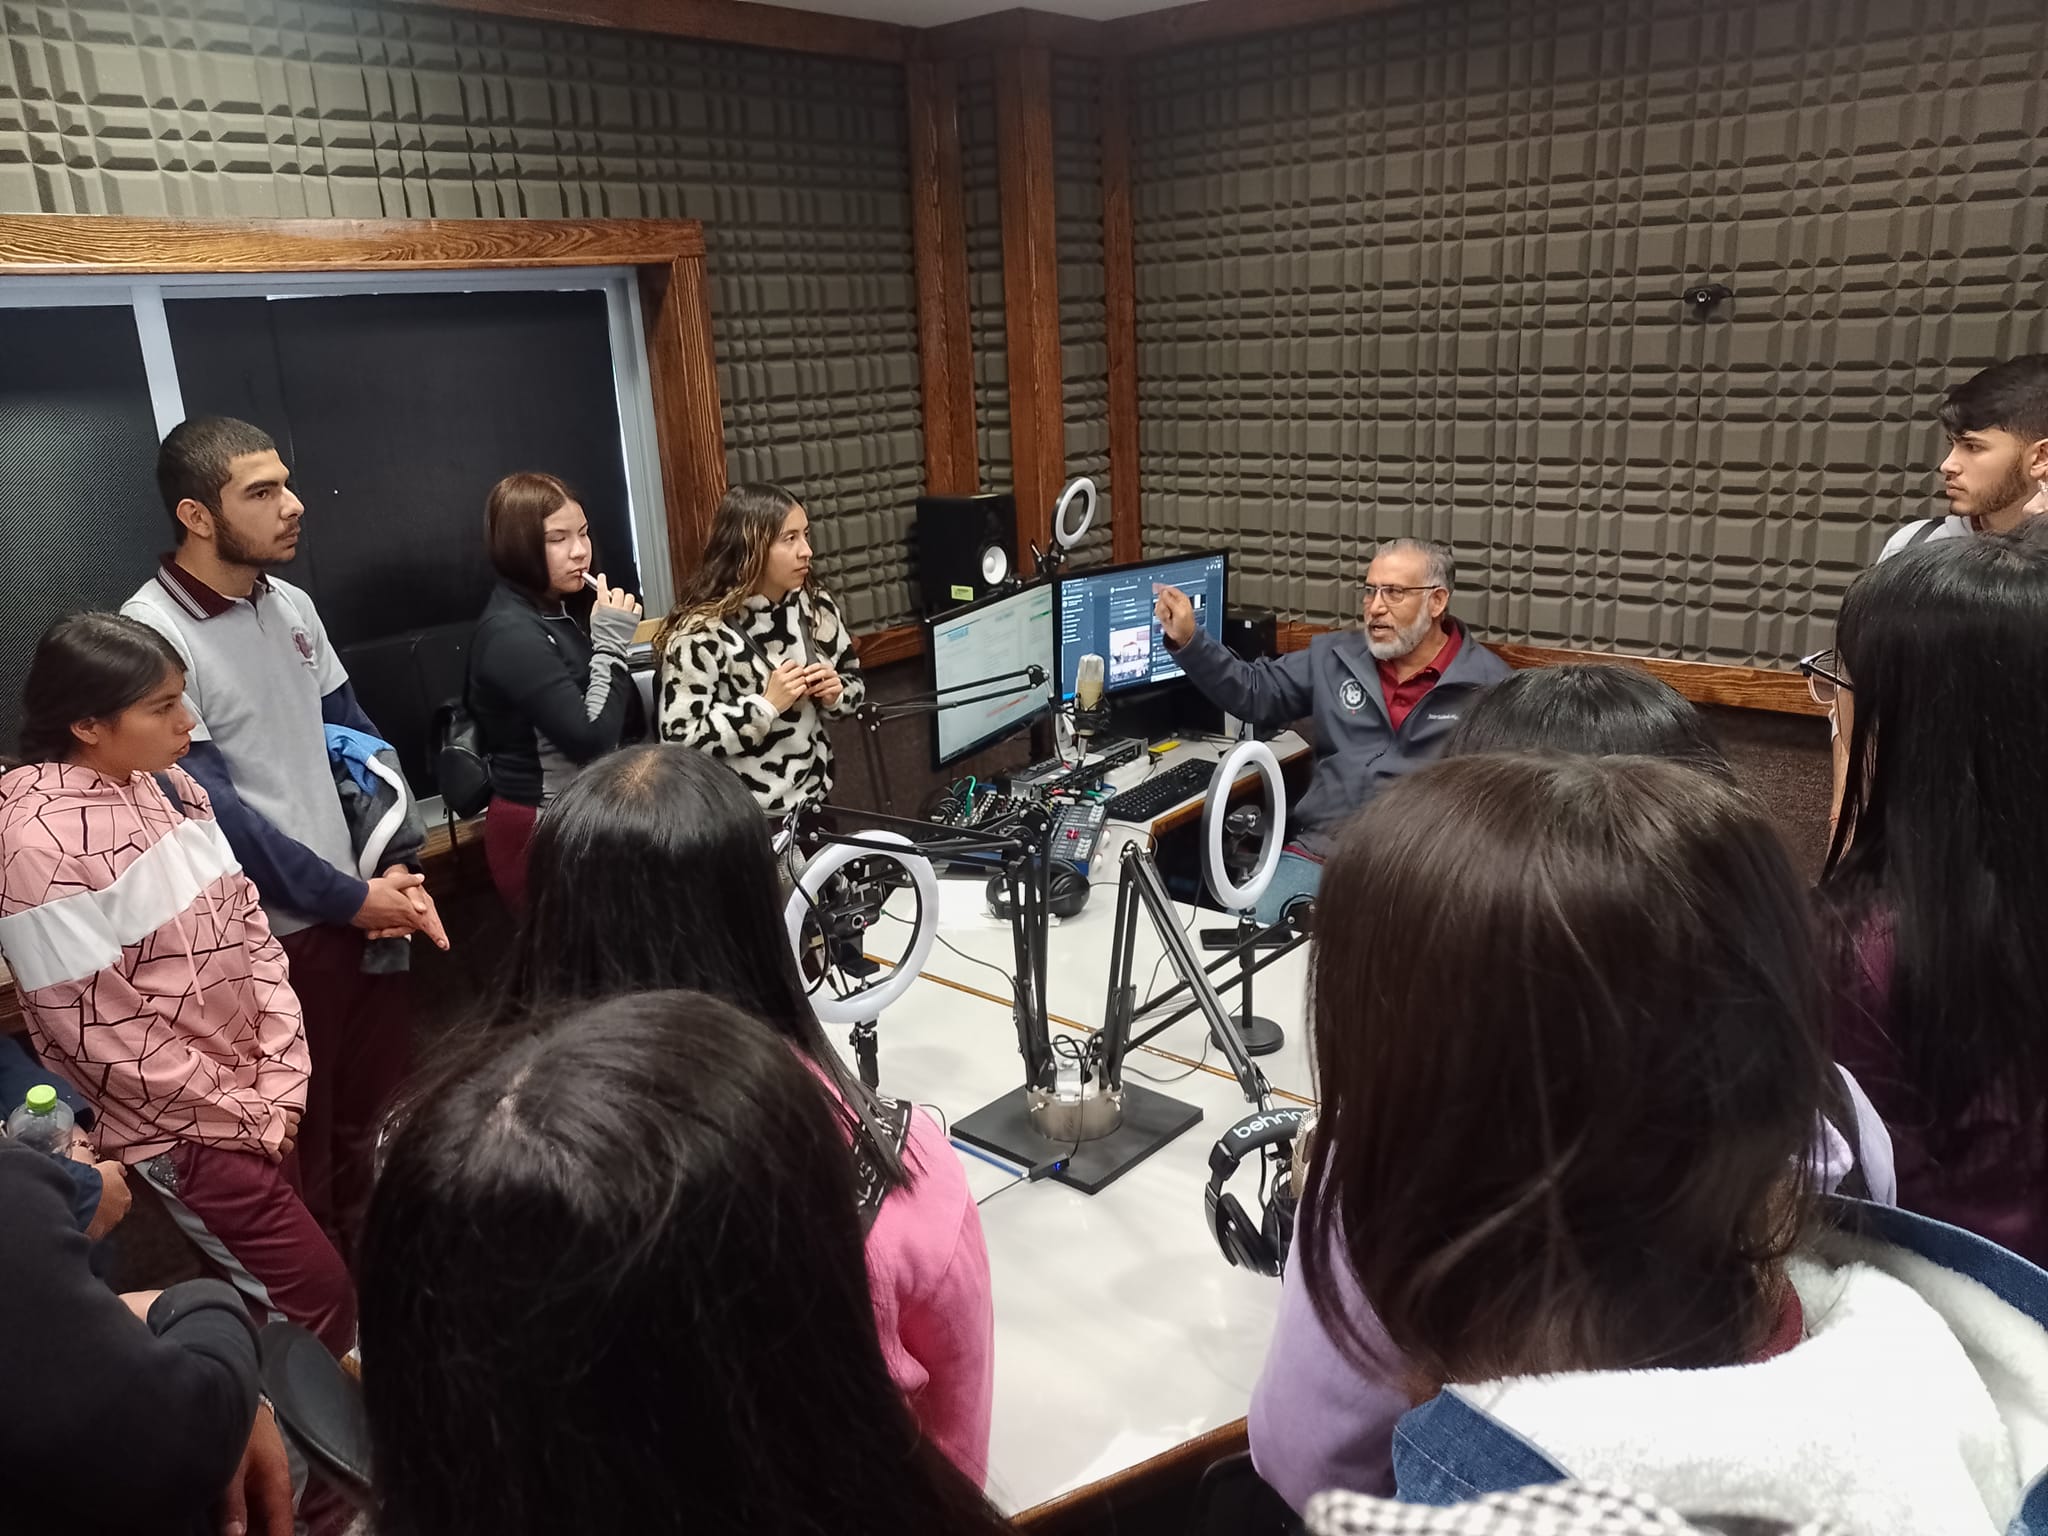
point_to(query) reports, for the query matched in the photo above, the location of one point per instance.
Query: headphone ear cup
(998, 897)
(1277, 1229)
(1067, 891)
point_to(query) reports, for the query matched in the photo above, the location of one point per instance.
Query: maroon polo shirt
(1403, 697)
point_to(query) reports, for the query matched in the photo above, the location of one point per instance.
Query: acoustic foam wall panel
(1084, 330)
(797, 167)
(1419, 273)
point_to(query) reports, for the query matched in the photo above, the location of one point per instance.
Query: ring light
(1079, 492)
(867, 1004)
(1216, 807)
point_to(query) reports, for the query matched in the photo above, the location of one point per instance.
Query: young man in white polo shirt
(1997, 426)
(263, 683)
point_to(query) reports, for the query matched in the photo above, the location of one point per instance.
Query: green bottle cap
(42, 1099)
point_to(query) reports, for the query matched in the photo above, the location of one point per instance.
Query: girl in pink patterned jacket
(147, 971)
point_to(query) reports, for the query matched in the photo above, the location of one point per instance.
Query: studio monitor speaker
(965, 547)
(1251, 635)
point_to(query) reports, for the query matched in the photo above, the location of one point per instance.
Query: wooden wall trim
(793, 29)
(1704, 682)
(1120, 312)
(1022, 27)
(938, 217)
(1031, 300)
(84, 244)
(1209, 20)
(717, 21)
(689, 426)
(667, 253)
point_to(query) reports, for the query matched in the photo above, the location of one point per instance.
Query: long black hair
(653, 870)
(90, 666)
(613, 1280)
(1591, 711)
(1943, 834)
(1573, 1140)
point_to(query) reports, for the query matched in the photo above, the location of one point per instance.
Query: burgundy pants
(243, 1212)
(508, 828)
(359, 1034)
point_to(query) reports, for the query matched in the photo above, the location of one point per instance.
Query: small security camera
(1704, 296)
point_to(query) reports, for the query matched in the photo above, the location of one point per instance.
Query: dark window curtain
(397, 413)
(80, 522)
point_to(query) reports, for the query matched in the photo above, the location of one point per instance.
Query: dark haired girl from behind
(1590, 711)
(654, 870)
(1319, 1418)
(1566, 1166)
(612, 1281)
(1938, 874)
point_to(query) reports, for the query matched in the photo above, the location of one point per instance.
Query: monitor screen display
(995, 638)
(1108, 613)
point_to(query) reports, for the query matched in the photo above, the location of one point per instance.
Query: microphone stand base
(1011, 1130)
(1262, 1037)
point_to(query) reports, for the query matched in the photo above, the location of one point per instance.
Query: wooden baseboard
(1704, 682)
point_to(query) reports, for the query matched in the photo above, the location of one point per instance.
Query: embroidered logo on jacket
(1352, 693)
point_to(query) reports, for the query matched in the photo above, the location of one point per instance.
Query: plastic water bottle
(43, 1122)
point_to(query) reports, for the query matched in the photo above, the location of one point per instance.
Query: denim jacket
(1449, 1449)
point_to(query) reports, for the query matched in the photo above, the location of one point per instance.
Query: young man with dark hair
(1997, 426)
(263, 683)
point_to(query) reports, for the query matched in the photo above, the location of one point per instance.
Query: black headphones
(1066, 890)
(1259, 1246)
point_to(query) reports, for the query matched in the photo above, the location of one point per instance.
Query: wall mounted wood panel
(1024, 138)
(939, 229)
(1120, 305)
(717, 21)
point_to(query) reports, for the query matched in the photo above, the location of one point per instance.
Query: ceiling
(933, 13)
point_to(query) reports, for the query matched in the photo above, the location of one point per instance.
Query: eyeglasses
(1825, 678)
(1395, 595)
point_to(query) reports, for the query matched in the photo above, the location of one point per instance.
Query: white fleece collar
(1917, 1406)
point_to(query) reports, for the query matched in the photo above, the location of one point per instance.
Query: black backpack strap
(1924, 532)
(163, 782)
(892, 1119)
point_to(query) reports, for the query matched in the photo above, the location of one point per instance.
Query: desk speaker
(965, 547)
(1251, 635)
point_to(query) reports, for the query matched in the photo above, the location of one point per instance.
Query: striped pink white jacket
(147, 971)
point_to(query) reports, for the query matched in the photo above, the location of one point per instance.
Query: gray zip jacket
(1337, 683)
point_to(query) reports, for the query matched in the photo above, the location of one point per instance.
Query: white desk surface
(1121, 1330)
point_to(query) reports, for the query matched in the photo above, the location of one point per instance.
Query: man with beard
(1997, 426)
(263, 683)
(1384, 699)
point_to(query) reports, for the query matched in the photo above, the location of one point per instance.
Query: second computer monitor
(1108, 613)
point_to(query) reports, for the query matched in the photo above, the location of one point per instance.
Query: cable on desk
(1207, 1041)
(987, 965)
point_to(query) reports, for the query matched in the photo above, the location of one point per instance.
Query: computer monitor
(1108, 613)
(994, 638)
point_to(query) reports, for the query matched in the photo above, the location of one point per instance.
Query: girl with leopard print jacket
(756, 660)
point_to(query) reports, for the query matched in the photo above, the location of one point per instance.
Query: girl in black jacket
(548, 695)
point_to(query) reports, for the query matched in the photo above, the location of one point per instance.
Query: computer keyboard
(1162, 792)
